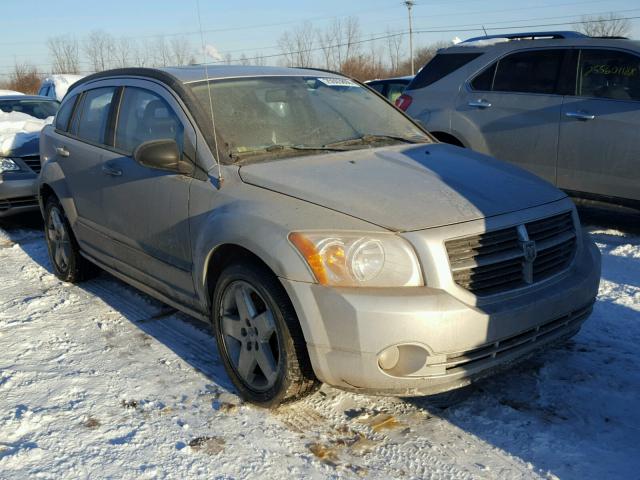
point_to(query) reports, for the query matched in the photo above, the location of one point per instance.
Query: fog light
(389, 358)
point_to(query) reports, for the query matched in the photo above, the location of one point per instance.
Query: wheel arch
(446, 137)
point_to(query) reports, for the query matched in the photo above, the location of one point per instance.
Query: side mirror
(162, 155)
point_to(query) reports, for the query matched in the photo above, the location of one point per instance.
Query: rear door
(79, 147)
(599, 151)
(511, 110)
(145, 209)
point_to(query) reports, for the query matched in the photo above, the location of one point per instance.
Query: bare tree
(328, 41)
(181, 51)
(100, 50)
(65, 54)
(161, 52)
(394, 48)
(604, 26)
(351, 36)
(123, 53)
(297, 46)
(259, 60)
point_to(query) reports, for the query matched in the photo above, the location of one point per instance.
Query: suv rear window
(529, 72)
(440, 66)
(609, 74)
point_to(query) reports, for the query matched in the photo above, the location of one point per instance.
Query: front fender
(53, 177)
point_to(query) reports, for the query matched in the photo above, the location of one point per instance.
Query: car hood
(30, 147)
(407, 187)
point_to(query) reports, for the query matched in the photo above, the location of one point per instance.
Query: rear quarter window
(440, 66)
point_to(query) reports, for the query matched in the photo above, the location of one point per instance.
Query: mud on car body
(323, 234)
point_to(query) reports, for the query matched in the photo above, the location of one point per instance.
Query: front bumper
(17, 193)
(446, 343)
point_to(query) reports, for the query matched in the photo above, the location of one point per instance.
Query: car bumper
(442, 342)
(17, 194)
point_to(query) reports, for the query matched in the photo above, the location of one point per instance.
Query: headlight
(359, 259)
(8, 165)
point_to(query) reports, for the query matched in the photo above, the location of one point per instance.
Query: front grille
(502, 260)
(33, 162)
(9, 203)
(566, 324)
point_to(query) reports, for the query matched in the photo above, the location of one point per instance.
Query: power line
(402, 33)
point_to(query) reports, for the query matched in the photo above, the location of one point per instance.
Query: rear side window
(44, 91)
(609, 74)
(146, 116)
(94, 114)
(529, 72)
(64, 114)
(378, 87)
(484, 81)
(440, 66)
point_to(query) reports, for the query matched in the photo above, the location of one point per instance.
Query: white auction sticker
(338, 82)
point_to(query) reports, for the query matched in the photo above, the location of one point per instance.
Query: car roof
(197, 73)
(495, 45)
(27, 97)
(391, 79)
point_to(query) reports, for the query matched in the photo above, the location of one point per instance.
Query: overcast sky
(254, 26)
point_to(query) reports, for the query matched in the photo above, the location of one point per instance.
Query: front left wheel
(259, 337)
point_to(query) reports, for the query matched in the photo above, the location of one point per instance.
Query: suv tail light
(403, 102)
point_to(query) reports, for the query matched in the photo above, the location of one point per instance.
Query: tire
(64, 252)
(259, 337)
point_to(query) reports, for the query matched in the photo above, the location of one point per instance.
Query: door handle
(111, 171)
(584, 116)
(480, 103)
(62, 151)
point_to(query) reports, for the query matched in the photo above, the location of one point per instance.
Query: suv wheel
(64, 253)
(259, 337)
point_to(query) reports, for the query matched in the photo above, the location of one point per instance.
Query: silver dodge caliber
(322, 233)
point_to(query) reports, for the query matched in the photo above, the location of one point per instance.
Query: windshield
(274, 116)
(41, 109)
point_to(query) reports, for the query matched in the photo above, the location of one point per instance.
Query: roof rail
(529, 36)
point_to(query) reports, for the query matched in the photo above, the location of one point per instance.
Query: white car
(56, 86)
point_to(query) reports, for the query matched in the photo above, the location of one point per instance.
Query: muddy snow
(98, 380)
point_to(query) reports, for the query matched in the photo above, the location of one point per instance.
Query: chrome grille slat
(487, 352)
(495, 261)
(33, 162)
(8, 203)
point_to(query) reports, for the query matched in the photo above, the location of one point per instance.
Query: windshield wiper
(370, 138)
(282, 147)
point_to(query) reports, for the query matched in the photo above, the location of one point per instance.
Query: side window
(94, 114)
(64, 114)
(44, 90)
(378, 87)
(529, 72)
(484, 81)
(609, 74)
(146, 116)
(440, 66)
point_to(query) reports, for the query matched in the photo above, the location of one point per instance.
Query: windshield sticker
(338, 82)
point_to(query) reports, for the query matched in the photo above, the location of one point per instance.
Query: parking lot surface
(99, 380)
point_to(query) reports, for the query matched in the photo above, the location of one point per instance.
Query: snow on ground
(99, 380)
(17, 128)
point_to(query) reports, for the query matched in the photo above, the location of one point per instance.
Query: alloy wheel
(250, 335)
(59, 240)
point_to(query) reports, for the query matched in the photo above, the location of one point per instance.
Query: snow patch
(17, 128)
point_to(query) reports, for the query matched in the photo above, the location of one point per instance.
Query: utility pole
(409, 4)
